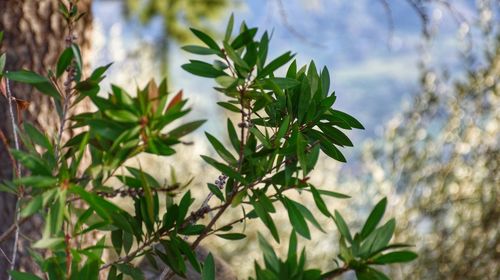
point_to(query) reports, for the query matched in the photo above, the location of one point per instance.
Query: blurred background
(422, 77)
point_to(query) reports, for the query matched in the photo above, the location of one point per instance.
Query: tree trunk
(34, 36)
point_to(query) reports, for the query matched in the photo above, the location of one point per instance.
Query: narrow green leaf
(25, 76)
(235, 57)
(233, 136)
(296, 218)
(374, 218)
(224, 169)
(185, 129)
(342, 226)
(78, 58)
(208, 272)
(122, 116)
(131, 271)
(64, 61)
(229, 106)
(395, 257)
(229, 28)
(17, 275)
(275, 64)
(39, 82)
(337, 136)
(244, 38)
(216, 191)
(232, 236)
(48, 243)
(226, 81)
(35, 204)
(200, 50)
(320, 203)
(36, 181)
(37, 137)
(202, 69)
(205, 39)
(3, 59)
(348, 118)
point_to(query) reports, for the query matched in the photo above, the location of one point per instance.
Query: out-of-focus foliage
(442, 156)
(177, 15)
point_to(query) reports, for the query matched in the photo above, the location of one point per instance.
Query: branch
(335, 273)
(5, 235)
(17, 174)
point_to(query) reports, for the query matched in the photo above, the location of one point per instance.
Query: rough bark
(34, 34)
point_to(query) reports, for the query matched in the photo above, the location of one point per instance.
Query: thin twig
(291, 29)
(17, 174)
(11, 229)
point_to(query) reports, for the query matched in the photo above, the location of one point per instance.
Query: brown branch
(335, 273)
(5, 235)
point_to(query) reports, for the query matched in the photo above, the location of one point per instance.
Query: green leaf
(117, 240)
(202, 69)
(268, 251)
(36, 181)
(78, 58)
(283, 83)
(122, 116)
(184, 205)
(129, 270)
(64, 61)
(283, 129)
(39, 82)
(347, 118)
(35, 204)
(337, 136)
(216, 191)
(292, 247)
(263, 48)
(308, 215)
(320, 203)
(330, 150)
(205, 39)
(229, 28)
(37, 137)
(244, 38)
(208, 272)
(17, 275)
(395, 257)
(265, 218)
(235, 57)
(192, 230)
(185, 129)
(25, 76)
(48, 243)
(224, 169)
(229, 106)
(3, 58)
(374, 218)
(98, 72)
(233, 135)
(333, 194)
(232, 236)
(226, 81)
(262, 138)
(342, 226)
(378, 239)
(275, 64)
(296, 218)
(35, 164)
(368, 273)
(200, 50)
